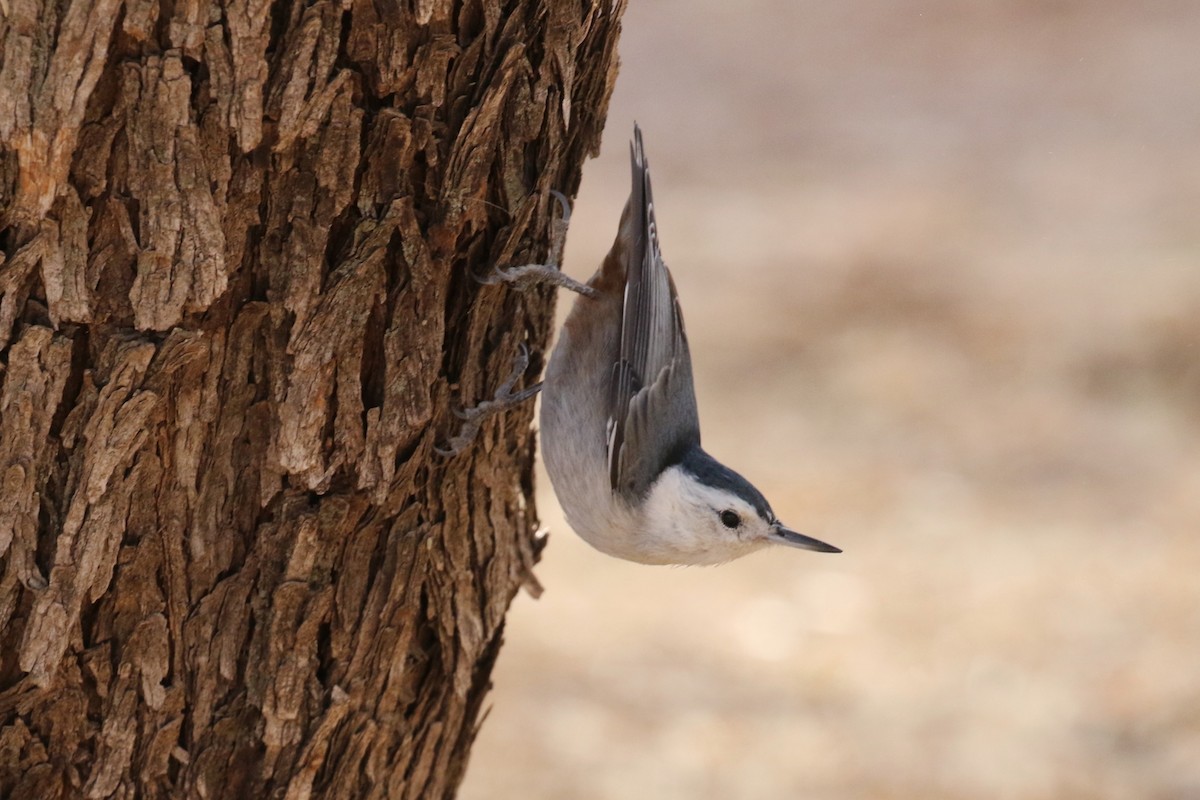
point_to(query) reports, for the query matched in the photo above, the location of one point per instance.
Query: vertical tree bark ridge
(236, 306)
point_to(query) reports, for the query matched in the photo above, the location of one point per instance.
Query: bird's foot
(530, 274)
(504, 399)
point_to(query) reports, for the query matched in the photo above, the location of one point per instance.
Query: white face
(686, 522)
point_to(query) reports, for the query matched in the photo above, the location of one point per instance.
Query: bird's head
(701, 512)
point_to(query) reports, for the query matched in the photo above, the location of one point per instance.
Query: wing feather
(653, 416)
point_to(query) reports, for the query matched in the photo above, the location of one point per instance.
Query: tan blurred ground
(941, 268)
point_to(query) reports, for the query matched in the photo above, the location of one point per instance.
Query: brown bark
(235, 310)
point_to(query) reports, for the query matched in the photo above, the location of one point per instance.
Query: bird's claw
(549, 273)
(564, 204)
(504, 399)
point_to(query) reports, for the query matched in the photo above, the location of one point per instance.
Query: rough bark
(236, 308)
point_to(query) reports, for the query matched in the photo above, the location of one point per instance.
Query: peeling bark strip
(236, 242)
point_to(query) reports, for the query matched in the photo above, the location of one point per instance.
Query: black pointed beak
(785, 535)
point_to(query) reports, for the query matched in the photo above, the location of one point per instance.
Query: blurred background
(940, 263)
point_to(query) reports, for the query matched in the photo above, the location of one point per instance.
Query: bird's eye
(730, 519)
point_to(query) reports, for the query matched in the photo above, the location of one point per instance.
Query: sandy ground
(941, 268)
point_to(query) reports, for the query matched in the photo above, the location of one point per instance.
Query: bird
(619, 422)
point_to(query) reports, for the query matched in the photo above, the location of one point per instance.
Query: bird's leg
(504, 399)
(529, 274)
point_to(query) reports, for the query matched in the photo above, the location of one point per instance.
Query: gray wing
(653, 418)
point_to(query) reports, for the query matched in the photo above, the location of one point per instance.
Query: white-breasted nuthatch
(619, 424)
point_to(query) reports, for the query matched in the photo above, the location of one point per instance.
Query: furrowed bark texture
(236, 308)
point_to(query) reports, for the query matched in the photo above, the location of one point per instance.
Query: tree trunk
(236, 309)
